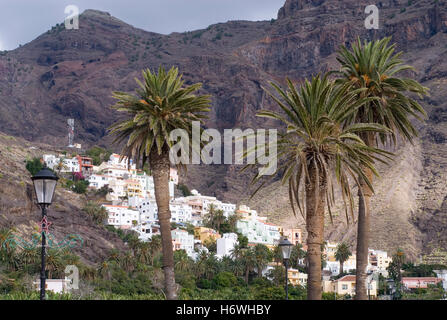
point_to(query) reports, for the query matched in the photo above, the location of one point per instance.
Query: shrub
(184, 189)
(34, 166)
(96, 211)
(272, 293)
(98, 154)
(225, 279)
(80, 186)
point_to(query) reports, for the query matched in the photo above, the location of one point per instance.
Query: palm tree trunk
(160, 168)
(365, 194)
(341, 267)
(315, 203)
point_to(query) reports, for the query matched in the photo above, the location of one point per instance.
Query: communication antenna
(70, 132)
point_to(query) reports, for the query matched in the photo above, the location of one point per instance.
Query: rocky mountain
(19, 211)
(72, 73)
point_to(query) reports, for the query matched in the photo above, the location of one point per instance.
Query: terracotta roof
(349, 278)
(421, 278)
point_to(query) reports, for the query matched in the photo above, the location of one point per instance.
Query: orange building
(85, 164)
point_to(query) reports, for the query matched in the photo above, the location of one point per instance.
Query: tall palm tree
(315, 148)
(342, 254)
(160, 105)
(263, 256)
(372, 67)
(248, 259)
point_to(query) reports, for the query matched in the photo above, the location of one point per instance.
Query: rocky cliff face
(71, 73)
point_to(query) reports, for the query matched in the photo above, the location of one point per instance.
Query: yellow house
(206, 234)
(296, 277)
(346, 285)
(133, 188)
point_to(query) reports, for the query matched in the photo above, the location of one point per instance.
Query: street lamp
(44, 185)
(286, 249)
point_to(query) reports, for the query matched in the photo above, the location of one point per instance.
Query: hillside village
(131, 205)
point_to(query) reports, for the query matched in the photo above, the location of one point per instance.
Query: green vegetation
(216, 220)
(184, 189)
(98, 155)
(34, 165)
(97, 212)
(80, 186)
(342, 254)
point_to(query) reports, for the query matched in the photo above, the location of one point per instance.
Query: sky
(21, 21)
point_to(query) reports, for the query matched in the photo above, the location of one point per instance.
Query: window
(344, 287)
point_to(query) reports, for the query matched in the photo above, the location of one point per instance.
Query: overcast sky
(23, 20)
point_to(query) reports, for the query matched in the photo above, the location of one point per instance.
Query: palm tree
(160, 105)
(54, 263)
(372, 67)
(315, 148)
(104, 270)
(342, 254)
(127, 262)
(144, 252)
(29, 257)
(248, 259)
(214, 218)
(297, 255)
(263, 256)
(182, 261)
(155, 247)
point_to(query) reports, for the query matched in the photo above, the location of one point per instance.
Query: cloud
(23, 20)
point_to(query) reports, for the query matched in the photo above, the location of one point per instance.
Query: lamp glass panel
(44, 190)
(286, 251)
(49, 190)
(39, 188)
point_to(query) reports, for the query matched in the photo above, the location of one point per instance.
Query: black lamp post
(44, 185)
(286, 248)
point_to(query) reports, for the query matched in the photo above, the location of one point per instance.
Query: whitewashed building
(97, 181)
(69, 165)
(122, 217)
(55, 285)
(146, 230)
(181, 239)
(180, 212)
(256, 229)
(226, 244)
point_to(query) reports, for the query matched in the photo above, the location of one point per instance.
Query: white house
(180, 212)
(181, 239)
(146, 230)
(55, 285)
(69, 165)
(226, 244)
(122, 217)
(114, 160)
(118, 187)
(97, 181)
(256, 229)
